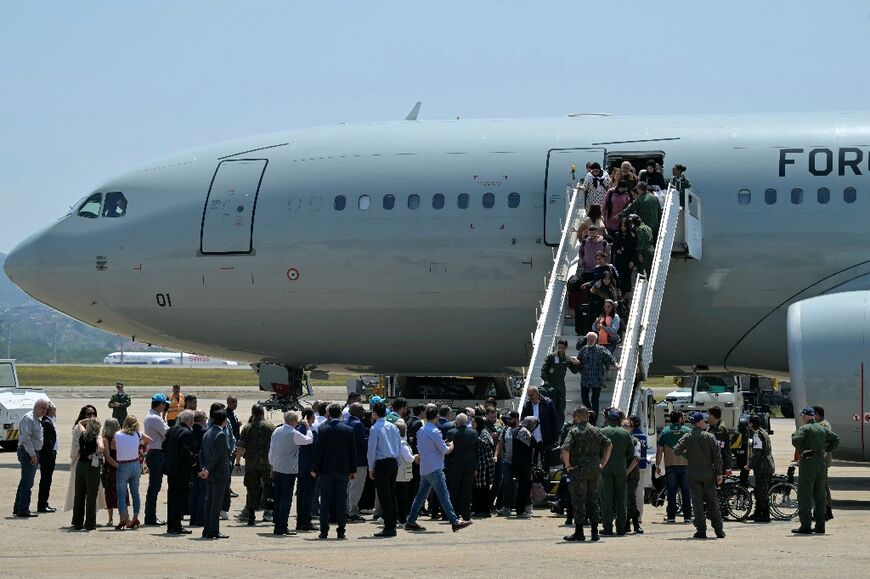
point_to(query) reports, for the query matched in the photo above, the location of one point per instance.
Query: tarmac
(505, 547)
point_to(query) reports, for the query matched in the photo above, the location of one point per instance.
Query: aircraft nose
(21, 264)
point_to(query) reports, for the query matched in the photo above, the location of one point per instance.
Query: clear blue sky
(89, 89)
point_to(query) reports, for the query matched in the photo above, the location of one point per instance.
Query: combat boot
(819, 529)
(594, 533)
(569, 520)
(577, 536)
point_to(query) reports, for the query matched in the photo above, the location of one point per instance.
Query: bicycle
(735, 501)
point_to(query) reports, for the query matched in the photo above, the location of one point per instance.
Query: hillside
(35, 330)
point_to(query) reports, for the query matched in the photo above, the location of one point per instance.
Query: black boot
(594, 533)
(829, 514)
(569, 520)
(252, 518)
(578, 535)
(635, 523)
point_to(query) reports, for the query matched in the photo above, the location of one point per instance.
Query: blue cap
(160, 398)
(696, 417)
(613, 415)
(392, 417)
(808, 411)
(376, 400)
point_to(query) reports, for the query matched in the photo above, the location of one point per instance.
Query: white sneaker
(225, 516)
(379, 521)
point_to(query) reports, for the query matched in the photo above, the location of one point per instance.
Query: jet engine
(829, 353)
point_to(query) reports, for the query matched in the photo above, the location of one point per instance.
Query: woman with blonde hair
(127, 444)
(87, 476)
(87, 412)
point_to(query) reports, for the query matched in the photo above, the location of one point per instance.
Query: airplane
(420, 248)
(178, 358)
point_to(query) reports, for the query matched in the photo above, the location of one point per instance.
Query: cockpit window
(115, 205)
(91, 207)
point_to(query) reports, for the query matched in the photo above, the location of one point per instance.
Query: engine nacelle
(828, 349)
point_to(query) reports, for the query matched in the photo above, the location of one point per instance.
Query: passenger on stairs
(617, 199)
(644, 237)
(680, 182)
(594, 361)
(625, 253)
(589, 247)
(593, 218)
(596, 184)
(607, 326)
(553, 376)
(652, 176)
(645, 206)
(628, 174)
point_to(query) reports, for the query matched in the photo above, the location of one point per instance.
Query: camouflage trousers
(584, 495)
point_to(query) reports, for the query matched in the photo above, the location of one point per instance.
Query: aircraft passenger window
(462, 201)
(488, 200)
(438, 201)
(850, 195)
(340, 202)
(824, 195)
(389, 202)
(770, 196)
(797, 196)
(364, 202)
(744, 196)
(115, 205)
(413, 201)
(514, 200)
(91, 207)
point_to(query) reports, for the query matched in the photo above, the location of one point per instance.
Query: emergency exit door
(558, 183)
(228, 216)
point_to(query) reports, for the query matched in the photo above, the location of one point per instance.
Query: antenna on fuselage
(412, 116)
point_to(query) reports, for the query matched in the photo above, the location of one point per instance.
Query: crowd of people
(402, 463)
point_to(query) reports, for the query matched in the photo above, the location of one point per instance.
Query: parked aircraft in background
(420, 248)
(177, 358)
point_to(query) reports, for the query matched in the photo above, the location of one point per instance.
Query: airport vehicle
(178, 358)
(15, 402)
(419, 248)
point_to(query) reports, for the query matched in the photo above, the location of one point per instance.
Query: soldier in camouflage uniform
(584, 453)
(614, 476)
(763, 467)
(553, 377)
(705, 472)
(812, 441)
(722, 436)
(253, 444)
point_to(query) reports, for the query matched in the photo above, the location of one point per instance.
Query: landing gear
(286, 384)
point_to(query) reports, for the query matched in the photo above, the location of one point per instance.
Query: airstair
(552, 310)
(679, 237)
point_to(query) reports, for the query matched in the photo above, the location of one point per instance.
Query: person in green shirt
(644, 245)
(553, 376)
(614, 476)
(812, 441)
(254, 441)
(705, 473)
(119, 402)
(763, 467)
(647, 207)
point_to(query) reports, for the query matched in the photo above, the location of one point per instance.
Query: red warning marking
(867, 417)
(292, 274)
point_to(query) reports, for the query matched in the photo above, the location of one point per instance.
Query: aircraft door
(565, 167)
(228, 215)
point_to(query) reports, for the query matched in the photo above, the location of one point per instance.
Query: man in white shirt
(284, 459)
(155, 428)
(29, 445)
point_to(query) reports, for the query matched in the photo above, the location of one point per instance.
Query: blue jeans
(25, 486)
(677, 477)
(284, 484)
(438, 483)
(128, 477)
(156, 460)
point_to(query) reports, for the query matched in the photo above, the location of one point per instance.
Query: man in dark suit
(335, 464)
(460, 466)
(307, 483)
(357, 485)
(215, 463)
(547, 433)
(47, 459)
(180, 448)
(198, 486)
